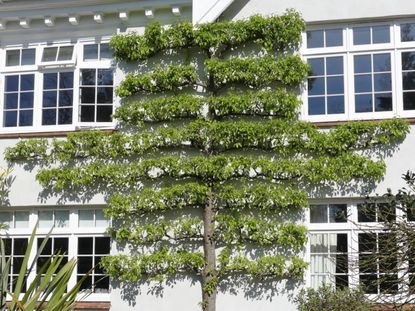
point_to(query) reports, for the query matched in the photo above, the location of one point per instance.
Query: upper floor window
(20, 57)
(98, 51)
(57, 53)
(324, 38)
(408, 32)
(371, 34)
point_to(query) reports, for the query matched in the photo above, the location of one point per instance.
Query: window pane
(49, 54)
(408, 60)
(27, 82)
(383, 102)
(361, 35)
(367, 242)
(25, 117)
(318, 213)
(382, 82)
(45, 219)
(363, 83)
(366, 213)
(49, 98)
(408, 80)
(362, 64)
(409, 100)
(102, 245)
(334, 37)
(334, 65)
(21, 219)
(407, 32)
(60, 245)
(84, 264)
(85, 246)
(90, 52)
(363, 103)
(66, 80)
(61, 219)
(65, 53)
(315, 39)
(317, 66)
(28, 56)
(381, 62)
(105, 51)
(369, 283)
(335, 104)
(87, 95)
(316, 106)
(316, 86)
(65, 98)
(87, 113)
(20, 246)
(12, 83)
(50, 81)
(341, 244)
(65, 116)
(13, 58)
(104, 113)
(86, 218)
(47, 250)
(100, 219)
(10, 101)
(319, 243)
(10, 118)
(104, 95)
(105, 77)
(102, 284)
(335, 85)
(88, 77)
(26, 100)
(381, 34)
(49, 117)
(6, 219)
(338, 212)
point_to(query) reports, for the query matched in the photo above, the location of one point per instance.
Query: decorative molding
(123, 15)
(73, 19)
(176, 10)
(149, 13)
(24, 23)
(98, 18)
(49, 21)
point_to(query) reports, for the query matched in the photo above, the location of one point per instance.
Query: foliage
(47, 291)
(327, 298)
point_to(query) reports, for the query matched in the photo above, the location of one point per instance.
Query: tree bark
(209, 273)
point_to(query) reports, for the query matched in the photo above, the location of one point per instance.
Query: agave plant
(47, 291)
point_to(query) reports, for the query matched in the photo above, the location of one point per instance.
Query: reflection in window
(97, 51)
(96, 95)
(328, 213)
(324, 38)
(91, 250)
(57, 98)
(329, 260)
(326, 86)
(375, 212)
(407, 32)
(371, 35)
(18, 100)
(372, 82)
(21, 57)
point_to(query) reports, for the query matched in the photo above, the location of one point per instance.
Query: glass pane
(84, 264)
(19, 246)
(27, 82)
(369, 283)
(60, 245)
(10, 101)
(408, 80)
(87, 95)
(316, 86)
(105, 51)
(13, 58)
(87, 282)
(85, 246)
(49, 54)
(104, 113)
(342, 281)
(45, 219)
(66, 80)
(334, 37)
(65, 116)
(87, 113)
(102, 245)
(61, 219)
(335, 85)
(105, 77)
(6, 219)
(362, 64)
(341, 243)
(386, 212)
(65, 98)
(367, 242)
(104, 95)
(28, 56)
(50, 81)
(407, 32)
(102, 284)
(409, 100)
(381, 34)
(389, 284)
(335, 104)
(65, 53)
(25, 117)
(88, 77)
(318, 213)
(26, 100)
(86, 218)
(100, 219)
(381, 62)
(10, 118)
(49, 98)
(408, 60)
(382, 82)
(47, 250)
(383, 102)
(315, 39)
(361, 35)
(316, 106)
(363, 83)
(363, 103)
(334, 65)
(338, 212)
(49, 117)
(12, 83)
(98, 268)
(317, 66)
(90, 52)
(21, 219)
(319, 243)
(366, 213)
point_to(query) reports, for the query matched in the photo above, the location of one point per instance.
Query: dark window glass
(65, 98)
(104, 95)
(10, 101)
(104, 113)
(361, 35)
(341, 246)
(381, 34)
(13, 58)
(85, 245)
(366, 213)
(87, 113)
(335, 104)
(363, 103)
(87, 282)
(48, 117)
(369, 283)
(335, 85)
(363, 83)
(28, 56)
(386, 212)
(105, 77)
(338, 212)
(315, 38)
(408, 60)
(65, 116)
(383, 102)
(50, 81)
(90, 52)
(26, 100)
(84, 264)
(407, 32)
(382, 82)
(408, 80)
(342, 281)
(318, 214)
(66, 80)
(316, 105)
(87, 95)
(26, 117)
(10, 118)
(105, 51)
(367, 242)
(27, 82)
(20, 246)
(334, 65)
(316, 86)
(409, 100)
(88, 77)
(334, 37)
(381, 62)
(102, 245)
(362, 64)
(317, 66)
(12, 83)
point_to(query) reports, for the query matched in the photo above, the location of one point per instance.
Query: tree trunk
(209, 273)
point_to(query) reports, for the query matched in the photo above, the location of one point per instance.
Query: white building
(361, 52)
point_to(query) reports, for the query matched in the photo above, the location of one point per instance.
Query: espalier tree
(210, 164)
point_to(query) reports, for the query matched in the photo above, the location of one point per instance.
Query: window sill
(49, 133)
(334, 123)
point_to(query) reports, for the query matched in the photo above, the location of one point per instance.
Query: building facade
(57, 75)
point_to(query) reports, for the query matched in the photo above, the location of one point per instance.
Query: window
(372, 212)
(326, 86)
(372, 82)
(408, 32)
(16, 249)
(325, 213)
(324, 38)
(96, 95)
(408, 80)
(371, 35)
(57, 98)
(329, 259)
(53, 246)
(57, 54)
(18, 100)
(91, 250)
(97, 52)
(21, 57)
(15, 220)
(56, 218)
